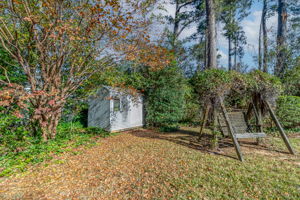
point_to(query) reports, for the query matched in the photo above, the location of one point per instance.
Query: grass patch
(191, 174)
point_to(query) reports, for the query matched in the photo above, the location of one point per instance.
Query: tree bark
(176, 25)
(265, 37)
(205, 50)
(235, 54)
(260, 47)
(211, 35)
(281, 64)
(47, 113)
(229, 53)
(49, 124)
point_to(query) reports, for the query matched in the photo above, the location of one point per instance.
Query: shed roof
(122, 90)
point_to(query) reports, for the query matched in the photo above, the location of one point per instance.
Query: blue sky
(251, 27)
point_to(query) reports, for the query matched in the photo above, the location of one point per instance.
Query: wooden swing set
(237, 126)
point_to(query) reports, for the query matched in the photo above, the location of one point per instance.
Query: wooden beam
(247, 116)
(255, 111)
(231, 132)
(281, 131)
(258, 117)
(248, 113)
(260, 120)
(204, 120)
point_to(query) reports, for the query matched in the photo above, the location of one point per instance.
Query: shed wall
(103, 115)
(99, 110)
(130, 114)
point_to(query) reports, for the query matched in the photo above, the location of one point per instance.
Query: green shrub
(269, 86)
(68, 129)
(97, 131)
(292, 81)
(237, 87)
(191, 109)
(34, 150)
(170, 128)
(13, 133)
(212, 83)
(164, 97)
(288, 111)
(191, 112)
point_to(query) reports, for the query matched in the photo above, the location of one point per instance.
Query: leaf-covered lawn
(147, 165)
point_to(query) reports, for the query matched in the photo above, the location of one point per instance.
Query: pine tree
(231, 14)
(281, 64)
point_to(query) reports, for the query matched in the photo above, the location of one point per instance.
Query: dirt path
(136, 165)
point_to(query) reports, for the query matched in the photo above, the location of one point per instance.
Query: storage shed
(114, 109)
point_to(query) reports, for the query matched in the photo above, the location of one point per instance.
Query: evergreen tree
(232, 12)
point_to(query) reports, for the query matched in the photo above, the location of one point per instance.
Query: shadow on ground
(189, 137)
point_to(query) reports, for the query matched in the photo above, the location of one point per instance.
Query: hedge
(288, 111)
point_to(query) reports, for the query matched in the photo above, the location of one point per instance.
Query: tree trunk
(265, 37)
(235, 55)
(47, 113)
(229, 53)
(176, 25)
(49, 124)
(281, 64)
(260, 48)
(211, 35)
(205, 50)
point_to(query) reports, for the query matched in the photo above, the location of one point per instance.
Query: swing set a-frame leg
(231, 131)
(258, 116)
(204, 120)
(281, 131)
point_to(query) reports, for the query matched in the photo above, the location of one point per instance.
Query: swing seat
(236, 125)
(250, 135)
(241, 128)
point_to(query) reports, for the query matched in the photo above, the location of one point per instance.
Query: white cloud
(221, 40)
(188, 32)
(251, 27)
(170, 9)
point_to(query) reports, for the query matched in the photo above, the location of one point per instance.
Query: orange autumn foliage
(59, 44)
